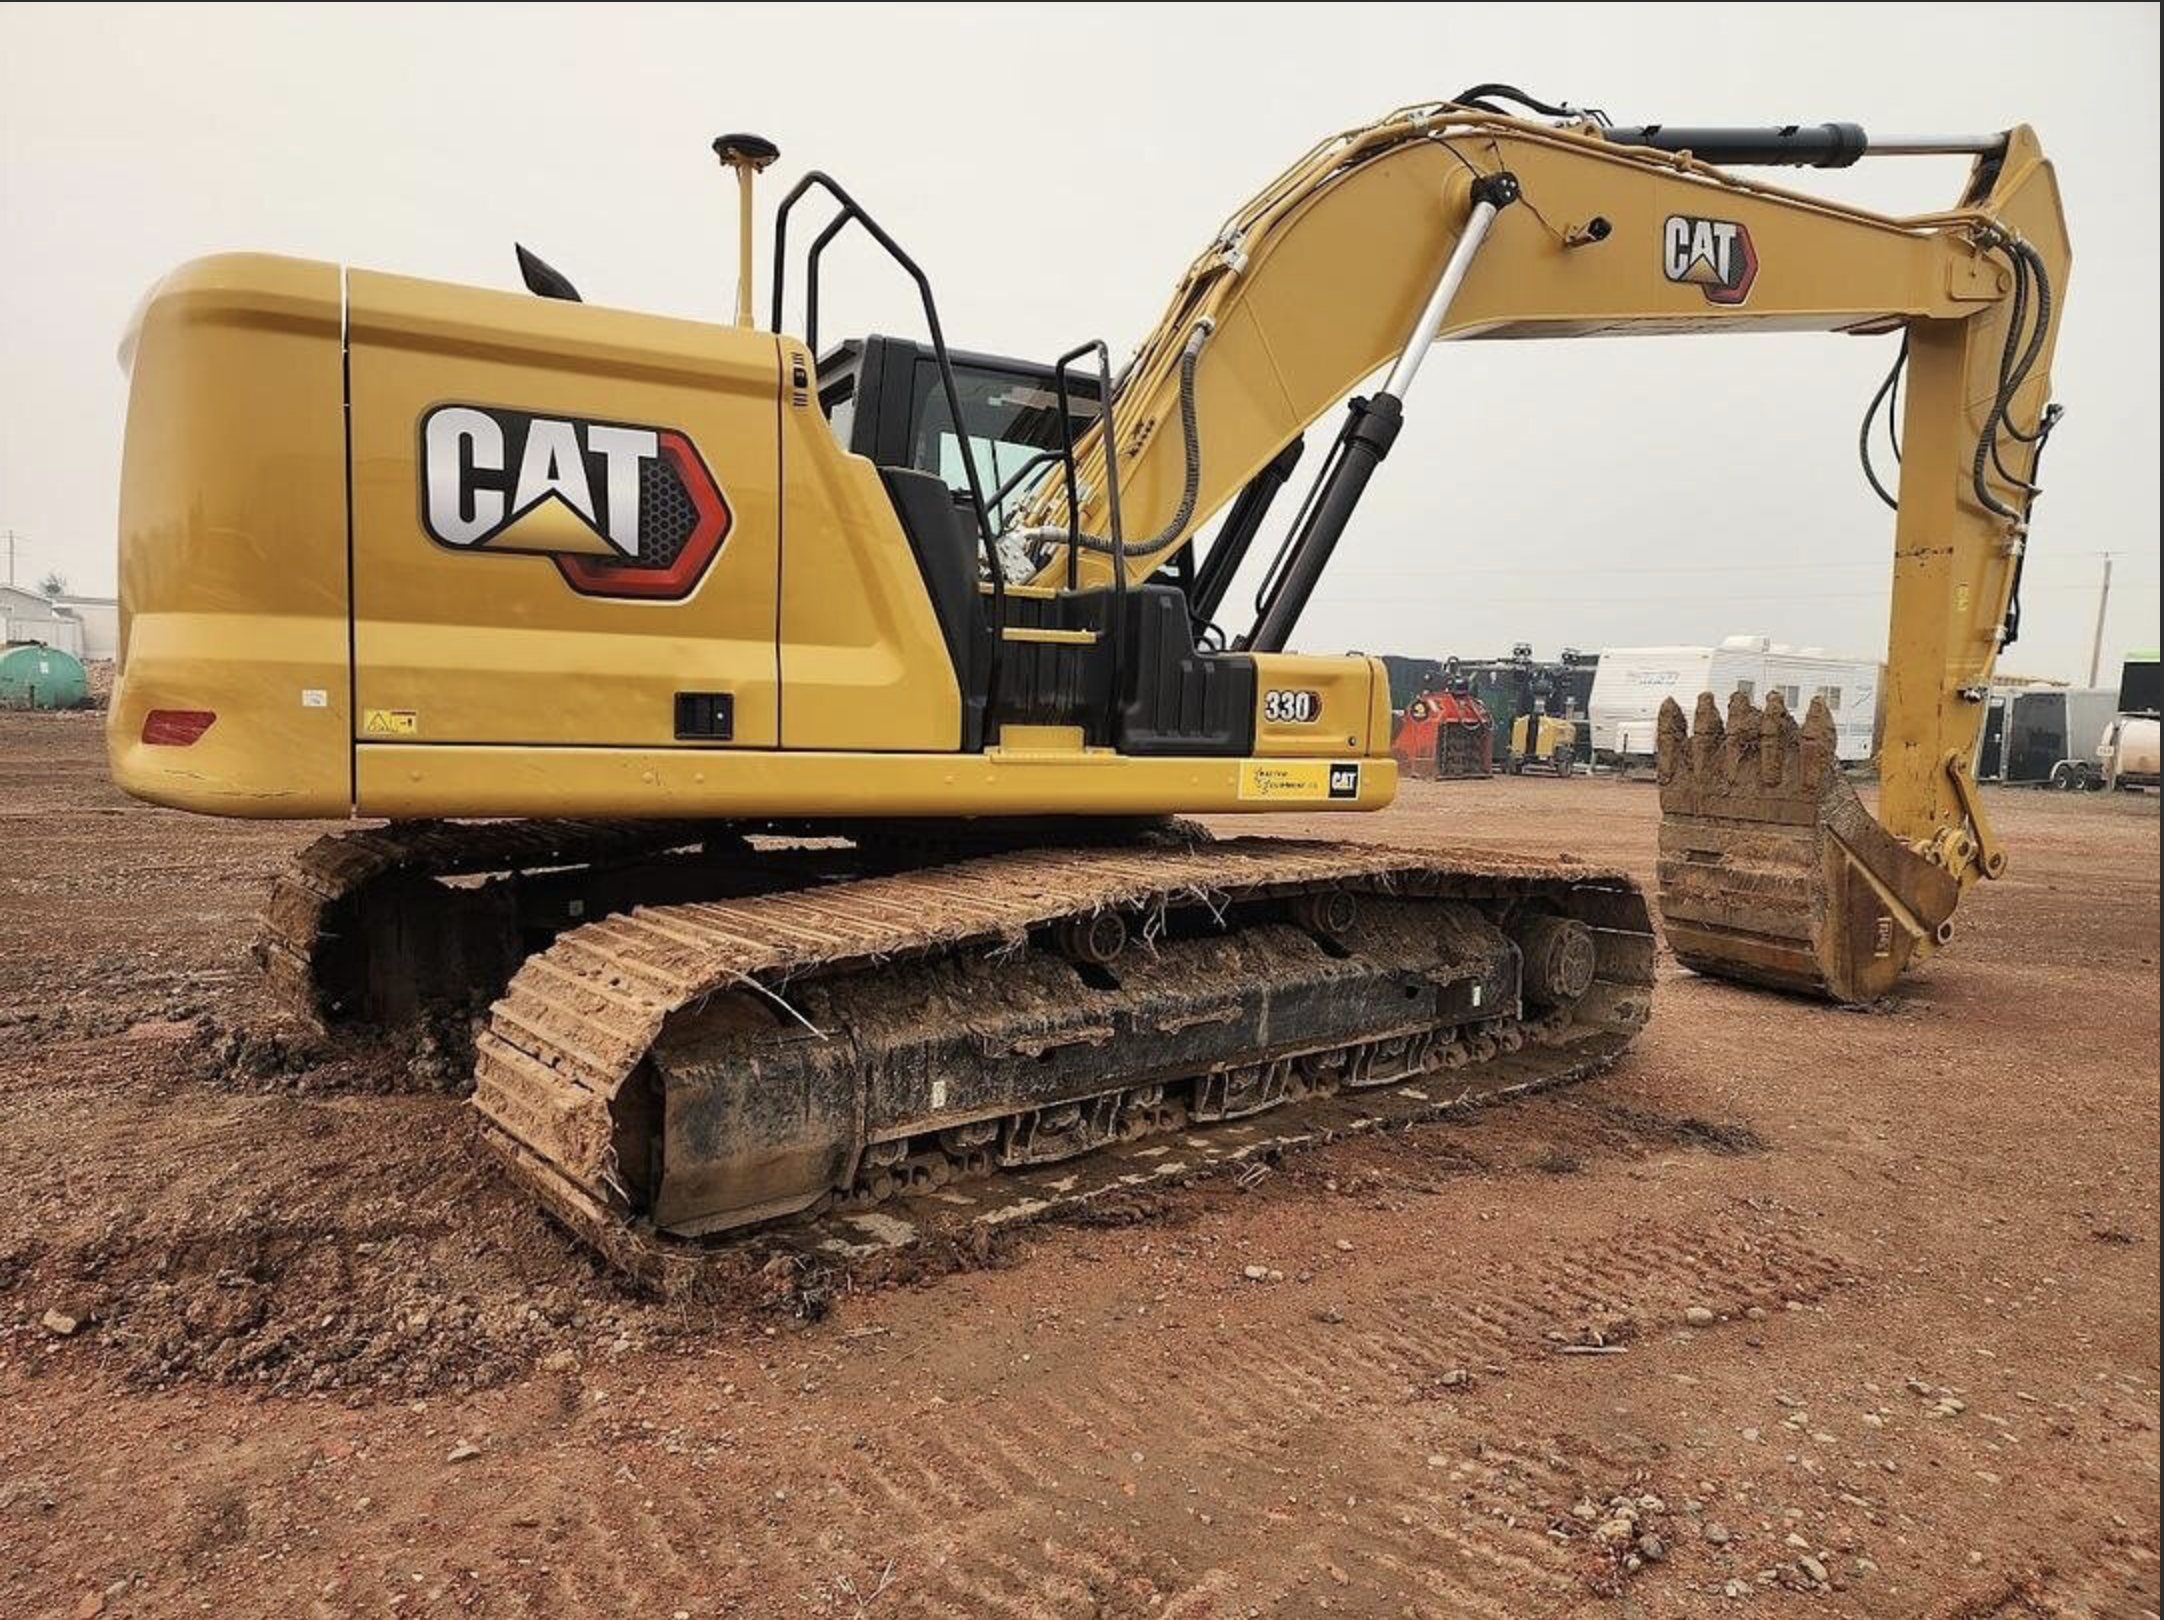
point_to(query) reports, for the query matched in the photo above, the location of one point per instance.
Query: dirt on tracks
(1796, 1311)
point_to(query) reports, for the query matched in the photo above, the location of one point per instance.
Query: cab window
(1008, 422)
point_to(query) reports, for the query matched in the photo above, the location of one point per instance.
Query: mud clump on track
(275, 1055)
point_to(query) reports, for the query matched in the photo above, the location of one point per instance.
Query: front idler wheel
(1560, 959)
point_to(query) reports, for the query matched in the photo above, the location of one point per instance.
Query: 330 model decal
(1288, 706)
(623, 509)
(1714, 255)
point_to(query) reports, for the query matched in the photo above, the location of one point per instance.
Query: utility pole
(10, 537)
(2103, 601)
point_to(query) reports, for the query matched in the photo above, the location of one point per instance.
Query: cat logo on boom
(1713, 255)
(623, 510)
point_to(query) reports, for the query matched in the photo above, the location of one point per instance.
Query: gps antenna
(747, 155)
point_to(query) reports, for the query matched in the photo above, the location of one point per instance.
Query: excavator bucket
(1771, 870)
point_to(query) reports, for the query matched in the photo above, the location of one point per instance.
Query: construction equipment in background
(850, 705)
(1548, 745)
(1443, 735)
(1415, 677)
(1522, 684)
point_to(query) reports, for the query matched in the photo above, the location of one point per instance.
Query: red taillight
(176, 728)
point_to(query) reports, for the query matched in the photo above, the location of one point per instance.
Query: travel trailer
(1633, 681)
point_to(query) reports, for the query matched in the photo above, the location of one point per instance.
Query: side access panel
(868, 668)
(565, 524)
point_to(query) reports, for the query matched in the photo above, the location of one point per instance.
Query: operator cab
(882, 396)
(1131, 680)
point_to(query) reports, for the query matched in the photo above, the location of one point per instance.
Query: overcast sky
(1055, 168)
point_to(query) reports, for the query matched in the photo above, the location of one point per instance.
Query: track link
(343, 923)
(624, 1066)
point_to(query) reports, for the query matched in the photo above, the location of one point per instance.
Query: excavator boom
(1771, 870)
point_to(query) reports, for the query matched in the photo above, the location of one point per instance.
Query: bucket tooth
(1706, 743)
(1771, 870)
(1740, 759)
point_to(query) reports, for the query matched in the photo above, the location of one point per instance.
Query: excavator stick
(1771, 870)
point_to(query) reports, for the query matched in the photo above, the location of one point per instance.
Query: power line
(14, 541)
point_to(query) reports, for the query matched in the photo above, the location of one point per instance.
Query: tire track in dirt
(1012, 1503)
(2119, 1577)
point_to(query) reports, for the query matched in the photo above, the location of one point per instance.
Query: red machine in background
(1443, 736)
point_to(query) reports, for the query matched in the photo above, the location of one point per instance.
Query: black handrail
(1067, 470)
(998, 497)
(851, 209)
(1117, 633)
(835, 227)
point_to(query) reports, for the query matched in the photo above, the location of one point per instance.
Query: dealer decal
(623, 509)
(1294, 779)
(1713, 255)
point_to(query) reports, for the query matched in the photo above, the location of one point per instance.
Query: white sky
(1055, 168)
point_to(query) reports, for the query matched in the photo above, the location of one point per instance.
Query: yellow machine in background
(657, 601)
(1544, 742)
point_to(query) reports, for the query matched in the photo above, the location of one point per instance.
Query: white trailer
(1632, 682)
(1629, 686)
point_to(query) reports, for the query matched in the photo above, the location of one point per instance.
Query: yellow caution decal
(390, 722)
(1317, 779)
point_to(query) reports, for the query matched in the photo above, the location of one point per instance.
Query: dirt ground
(1796, 1311)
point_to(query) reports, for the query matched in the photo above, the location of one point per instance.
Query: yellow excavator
(782, 751)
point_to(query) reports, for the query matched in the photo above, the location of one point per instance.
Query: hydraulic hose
(1886, 390)
(2010, 382)
(1053, 534)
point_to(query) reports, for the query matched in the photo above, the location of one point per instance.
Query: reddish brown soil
(1928, 1238)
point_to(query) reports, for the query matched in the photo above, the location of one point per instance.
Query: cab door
(564, 523)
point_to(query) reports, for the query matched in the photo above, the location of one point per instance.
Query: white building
(1632, 682)
(100, 619)
(27, 616)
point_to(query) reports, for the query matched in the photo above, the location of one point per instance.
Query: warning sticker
(390, 722)
(1316, 779)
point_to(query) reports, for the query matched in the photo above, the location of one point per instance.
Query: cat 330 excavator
(781, 751)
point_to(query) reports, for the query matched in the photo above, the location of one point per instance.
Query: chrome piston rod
(1371, 427)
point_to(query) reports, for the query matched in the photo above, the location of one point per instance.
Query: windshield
(1009, 421)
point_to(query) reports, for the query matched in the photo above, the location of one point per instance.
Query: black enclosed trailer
(2044, 729)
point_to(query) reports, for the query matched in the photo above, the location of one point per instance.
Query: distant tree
(55, 583)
